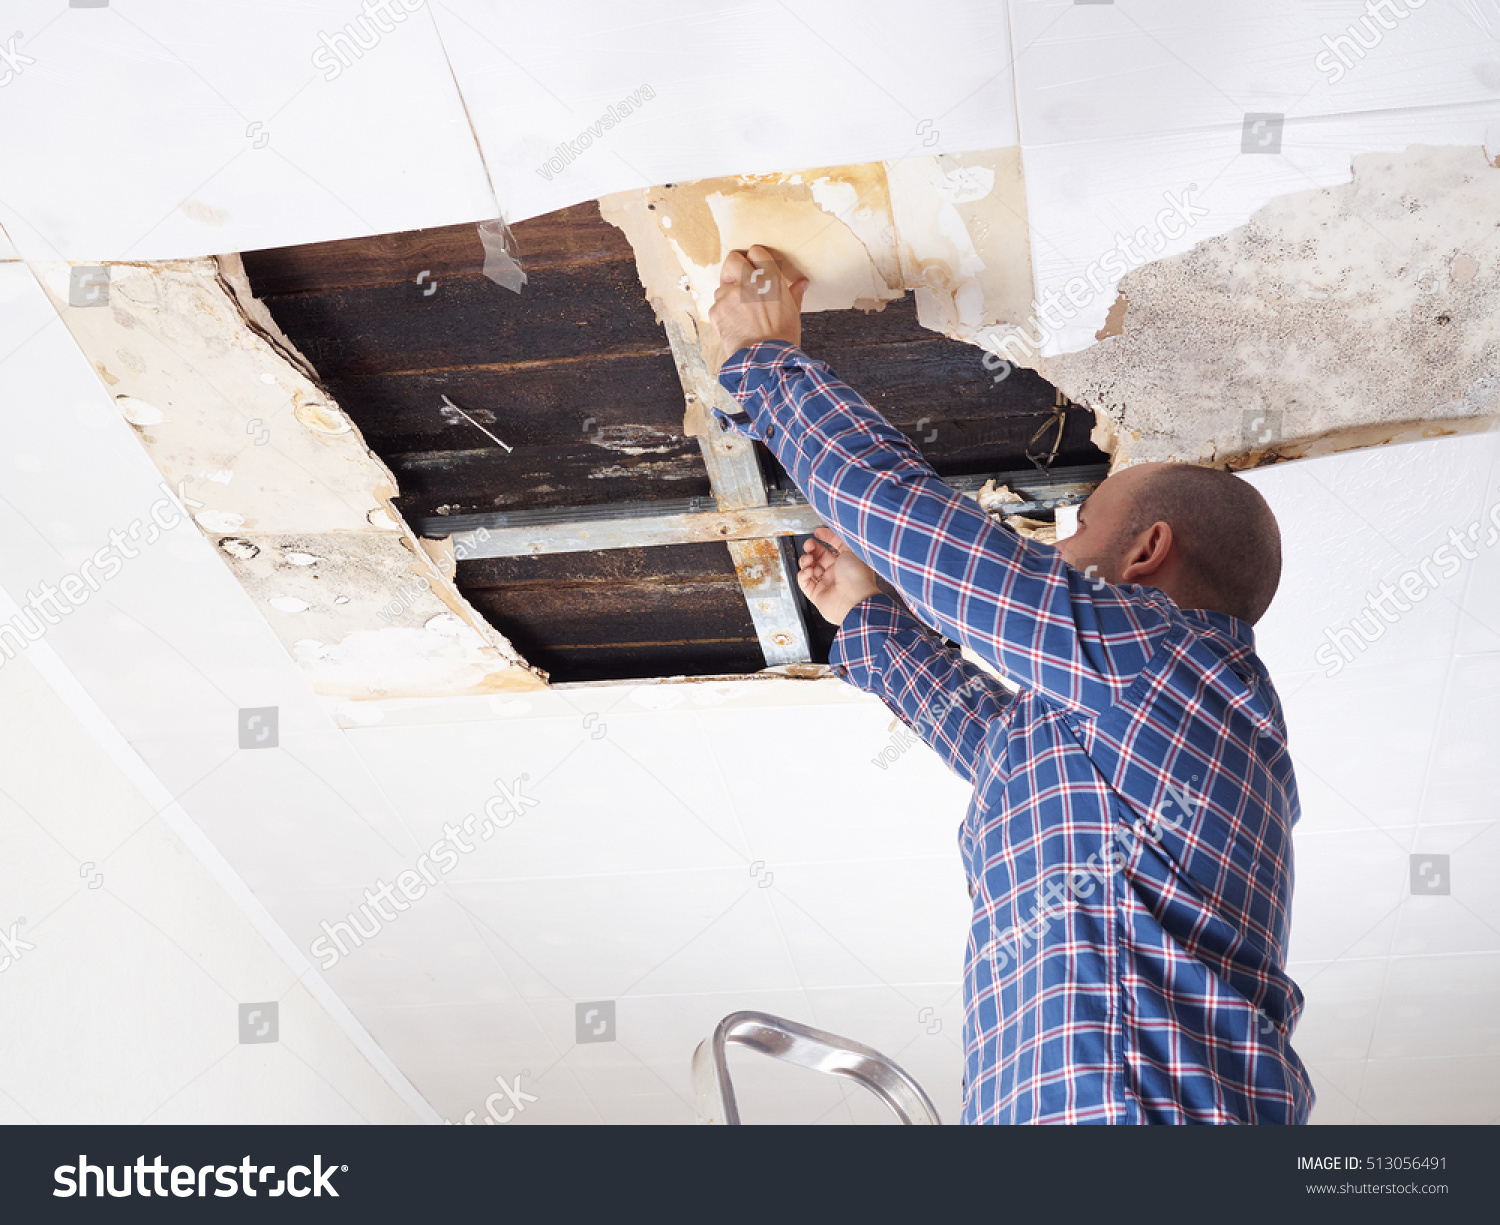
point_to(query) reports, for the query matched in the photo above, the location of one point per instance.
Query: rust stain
(1114, 322)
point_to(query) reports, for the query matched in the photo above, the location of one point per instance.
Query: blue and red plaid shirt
(1129, 844)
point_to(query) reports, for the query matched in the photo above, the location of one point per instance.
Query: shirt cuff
(859, 646)
(748, 376)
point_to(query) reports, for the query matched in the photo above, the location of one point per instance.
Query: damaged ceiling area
(435, 486)
(598, 516)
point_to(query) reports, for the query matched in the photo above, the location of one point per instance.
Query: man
(1128, 847)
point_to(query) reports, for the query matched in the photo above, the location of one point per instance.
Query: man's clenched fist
(759, 298)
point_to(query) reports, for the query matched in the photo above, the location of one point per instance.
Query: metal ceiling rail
(523, 533)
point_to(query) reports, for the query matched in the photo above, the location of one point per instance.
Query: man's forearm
(933, 690)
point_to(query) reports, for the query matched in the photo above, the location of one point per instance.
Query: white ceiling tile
(156, 875)
(1351, 504)
(539, 78)
(89, 962)
(396, 965)
(794, 803)
(1361, 741)
(1343, 998)
(1464, 777)
(267, 146)
(874, 921)
(1440, 1005)
(1479, 630)
(644, 1108)
(602, 937)
(1112, 71)
(290, 817)
(1349, 885)
(454, 1054)
(233, 1091)
(641, 796)
(1336, 1086)
(1465, 917)
(1433, 1090)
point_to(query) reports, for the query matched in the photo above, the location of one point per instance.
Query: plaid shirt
(1128, 847)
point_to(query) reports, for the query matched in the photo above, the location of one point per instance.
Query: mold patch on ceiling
(1336, 318)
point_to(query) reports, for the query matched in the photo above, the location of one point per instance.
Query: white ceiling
(638, 876)
(448, 116)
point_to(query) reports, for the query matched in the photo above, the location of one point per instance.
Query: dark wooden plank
(576, 235)
(614, 630)
(615, 400)
(489, 479)
(577, 311)
(677, 563)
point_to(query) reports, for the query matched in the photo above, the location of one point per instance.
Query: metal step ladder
(806, 1047)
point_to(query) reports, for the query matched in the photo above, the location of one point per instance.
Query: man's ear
(1147, 554)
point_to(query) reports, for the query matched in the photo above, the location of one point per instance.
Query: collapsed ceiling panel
(277, 477)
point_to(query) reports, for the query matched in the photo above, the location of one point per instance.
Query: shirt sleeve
(931, 687)
(1072, 638)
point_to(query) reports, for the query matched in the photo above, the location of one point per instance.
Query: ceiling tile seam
(468, 119)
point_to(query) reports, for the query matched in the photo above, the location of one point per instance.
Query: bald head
(1202, 535)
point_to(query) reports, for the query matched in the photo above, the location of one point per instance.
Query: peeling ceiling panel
(1337, 317)
(276, 475)
(273, 137)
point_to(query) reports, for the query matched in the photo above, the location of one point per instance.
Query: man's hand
(832, 577)
(759, 298)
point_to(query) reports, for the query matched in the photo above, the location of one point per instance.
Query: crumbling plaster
(1336, 318)
(278, 478)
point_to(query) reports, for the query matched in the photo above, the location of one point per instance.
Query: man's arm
(1015, 603)
(881, 649)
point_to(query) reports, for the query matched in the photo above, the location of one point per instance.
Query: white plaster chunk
(219, 520)
(139, 412)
